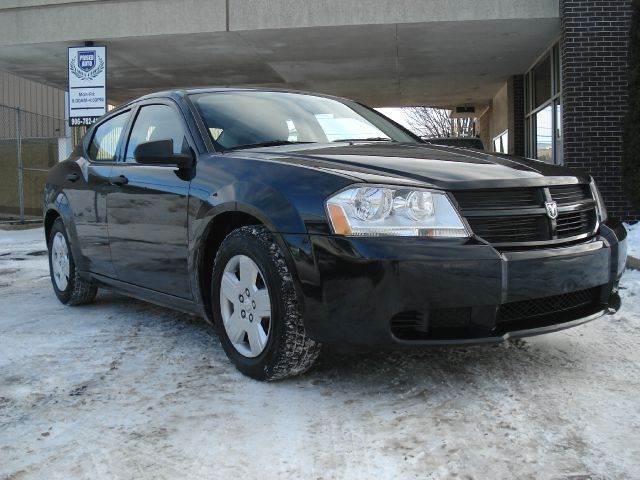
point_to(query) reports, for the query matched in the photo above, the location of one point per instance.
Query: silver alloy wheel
(60, 261)
(245, 306)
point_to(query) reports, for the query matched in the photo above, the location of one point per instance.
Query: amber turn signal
(338, 219)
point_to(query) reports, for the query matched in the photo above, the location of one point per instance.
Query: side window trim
(124, 141)
(200, 128)
(132, 119)
(94, 129)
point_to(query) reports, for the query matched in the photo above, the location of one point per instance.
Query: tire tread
(81, 291)
(297, 352)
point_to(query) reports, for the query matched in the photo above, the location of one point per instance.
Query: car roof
(183, 92)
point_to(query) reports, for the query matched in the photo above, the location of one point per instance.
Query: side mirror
(160, 152)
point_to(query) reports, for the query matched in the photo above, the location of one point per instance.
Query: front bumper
(414, 291)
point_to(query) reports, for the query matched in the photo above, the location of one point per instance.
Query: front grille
(570, 194)
(510, 229)
(512, 216)
(498, 198)
(547, 305)
(570, 224)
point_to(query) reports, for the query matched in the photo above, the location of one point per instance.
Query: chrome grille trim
(516, 217)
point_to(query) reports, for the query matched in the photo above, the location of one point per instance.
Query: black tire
(289, 350)
(78, 291)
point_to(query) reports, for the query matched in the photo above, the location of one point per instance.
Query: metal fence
(30, 144)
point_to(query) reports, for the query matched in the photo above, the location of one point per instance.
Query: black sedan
(289, 220)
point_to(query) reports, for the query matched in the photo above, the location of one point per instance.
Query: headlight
(375, 210)
(602, 209)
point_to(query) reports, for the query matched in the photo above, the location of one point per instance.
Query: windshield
(245, 119)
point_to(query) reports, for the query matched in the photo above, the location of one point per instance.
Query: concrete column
(515, 88)
(65, 144)
(484, 130)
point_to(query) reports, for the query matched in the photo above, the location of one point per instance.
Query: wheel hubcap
(245, 306)
(60, 261)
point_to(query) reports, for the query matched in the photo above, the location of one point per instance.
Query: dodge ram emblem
(552, 210)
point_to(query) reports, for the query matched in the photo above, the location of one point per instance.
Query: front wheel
(68, 286)
(256, 307)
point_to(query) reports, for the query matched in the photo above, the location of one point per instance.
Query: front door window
(104, 145)
(156, 122)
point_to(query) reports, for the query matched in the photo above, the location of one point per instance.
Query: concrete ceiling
(427, 63)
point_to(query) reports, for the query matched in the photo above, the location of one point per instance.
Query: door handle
(72, 177)
(119, 180)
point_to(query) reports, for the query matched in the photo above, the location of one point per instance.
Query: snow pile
(633, 240)
(18, 237)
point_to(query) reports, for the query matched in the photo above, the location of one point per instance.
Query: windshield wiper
(272, 143)
(370, 139)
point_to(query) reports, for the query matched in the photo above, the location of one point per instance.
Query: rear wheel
(67, 284)
(256, 307)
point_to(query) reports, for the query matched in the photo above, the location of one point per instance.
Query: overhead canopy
(436, 52)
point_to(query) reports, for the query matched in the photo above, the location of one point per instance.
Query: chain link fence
(30, 144)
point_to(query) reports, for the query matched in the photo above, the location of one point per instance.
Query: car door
(87, 190)
(147, 211)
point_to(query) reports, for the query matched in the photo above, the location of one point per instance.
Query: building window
(541, 81)
(544, 134)
(558, 132)
(543, 108)
(501, 143)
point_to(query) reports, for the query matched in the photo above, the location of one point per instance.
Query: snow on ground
(633, 240)
(123, 389)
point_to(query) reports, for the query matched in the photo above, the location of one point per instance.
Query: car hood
(425, 164)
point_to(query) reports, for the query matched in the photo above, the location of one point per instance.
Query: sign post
(87, 84)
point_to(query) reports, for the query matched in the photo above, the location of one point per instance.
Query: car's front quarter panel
(287, 199)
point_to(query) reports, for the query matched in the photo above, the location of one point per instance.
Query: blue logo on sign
(86, 60)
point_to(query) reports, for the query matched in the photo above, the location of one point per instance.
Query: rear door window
(104, 145)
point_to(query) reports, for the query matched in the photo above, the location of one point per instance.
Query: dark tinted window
(542, 82)
(104, 144)
(156, 122)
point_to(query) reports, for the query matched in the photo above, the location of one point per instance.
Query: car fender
(57, 201)
(257, 199)
(265, 203)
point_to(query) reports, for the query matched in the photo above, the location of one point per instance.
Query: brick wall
(594, 49)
